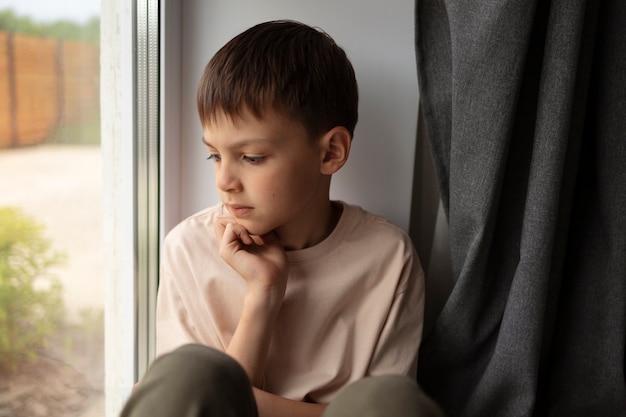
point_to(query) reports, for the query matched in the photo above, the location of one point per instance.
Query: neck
(315, 230)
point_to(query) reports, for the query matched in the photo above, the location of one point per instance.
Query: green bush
(31, 303)
(64, 29)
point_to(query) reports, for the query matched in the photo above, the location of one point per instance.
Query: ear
(335, 147)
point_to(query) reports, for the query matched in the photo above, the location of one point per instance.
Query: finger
(237, 232)
(225, 219)
(218, 228)
(219, 225)
(258, 240)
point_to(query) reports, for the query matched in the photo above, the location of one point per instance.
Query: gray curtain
(524, 104)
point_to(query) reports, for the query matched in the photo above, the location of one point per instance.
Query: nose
(226, 177)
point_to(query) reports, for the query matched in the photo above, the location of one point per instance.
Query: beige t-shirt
(353, 305)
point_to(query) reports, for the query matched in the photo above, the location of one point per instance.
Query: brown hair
(286, 66)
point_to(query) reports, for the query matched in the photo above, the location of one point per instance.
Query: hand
(260, 260)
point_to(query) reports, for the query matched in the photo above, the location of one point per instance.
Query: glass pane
(51, 277)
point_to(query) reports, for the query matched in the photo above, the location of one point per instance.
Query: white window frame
(130, 96)
(117, 121)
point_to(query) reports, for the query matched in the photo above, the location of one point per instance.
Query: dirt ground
(61, 187)
(52, 385)
(60, 391)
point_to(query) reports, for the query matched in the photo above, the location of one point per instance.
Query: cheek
(286, 186)
(295, 190)
(277, 186)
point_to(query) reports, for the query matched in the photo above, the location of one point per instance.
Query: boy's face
(267, 171)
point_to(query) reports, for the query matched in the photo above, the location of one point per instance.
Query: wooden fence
(44, 85)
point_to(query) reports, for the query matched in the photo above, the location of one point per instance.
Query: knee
(193, 380)
(196, 365)
(383, 396)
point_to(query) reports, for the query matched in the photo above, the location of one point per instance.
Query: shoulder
(369, 226)
(194, 231)
(376, 241)
(199, 220)
(384, 250)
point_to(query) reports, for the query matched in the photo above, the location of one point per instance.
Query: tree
(31, 304)
(63, 29)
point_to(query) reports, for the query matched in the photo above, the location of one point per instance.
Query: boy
(279, 296)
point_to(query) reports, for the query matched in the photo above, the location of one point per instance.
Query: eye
(215, 156)
(254, 159)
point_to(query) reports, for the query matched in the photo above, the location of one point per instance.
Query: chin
(255, 229)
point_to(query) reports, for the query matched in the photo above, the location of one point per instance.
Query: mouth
(238, 210)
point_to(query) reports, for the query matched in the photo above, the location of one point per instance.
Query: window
(51, 219)
(79, 193)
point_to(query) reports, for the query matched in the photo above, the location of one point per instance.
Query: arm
(271, 405)
(262, 263)
(250, 342)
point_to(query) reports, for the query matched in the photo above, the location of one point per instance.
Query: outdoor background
(51, 289)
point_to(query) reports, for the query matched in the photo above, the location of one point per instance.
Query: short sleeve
(398, 345)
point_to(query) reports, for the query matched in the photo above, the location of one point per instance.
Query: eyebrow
(244, 142)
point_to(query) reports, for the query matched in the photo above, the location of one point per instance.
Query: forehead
(269, 129)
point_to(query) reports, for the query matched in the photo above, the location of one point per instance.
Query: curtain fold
(525, 108)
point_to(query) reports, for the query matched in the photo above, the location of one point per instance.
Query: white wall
(378, 38)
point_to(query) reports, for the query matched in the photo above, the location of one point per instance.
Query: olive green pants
(197, 381)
